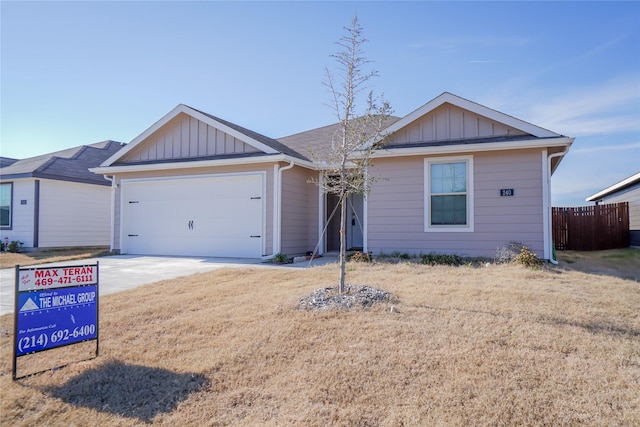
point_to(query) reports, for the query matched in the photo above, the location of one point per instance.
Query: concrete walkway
(122, 272)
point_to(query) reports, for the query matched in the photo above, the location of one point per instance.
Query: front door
(355, 222)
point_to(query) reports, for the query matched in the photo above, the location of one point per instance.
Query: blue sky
(75, 73)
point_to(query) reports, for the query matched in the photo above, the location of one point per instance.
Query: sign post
(54, 307)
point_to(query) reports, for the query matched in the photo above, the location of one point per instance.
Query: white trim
(365, 216)
(110, 170)
(546, 207)
(263, 178)
(473, 148)
(276, 206)
(612, 189)
(469, 227)
(549, 230)
(321, 214)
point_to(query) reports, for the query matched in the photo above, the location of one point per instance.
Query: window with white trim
(449, 194)
(6, 190)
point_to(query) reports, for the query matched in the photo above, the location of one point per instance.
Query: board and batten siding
(299, 228)
(449, 122)
(168, 174)
(74, 214)
(396, 216)
(22, 215)
(186, 137)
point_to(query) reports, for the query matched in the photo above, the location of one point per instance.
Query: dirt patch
(622, 263)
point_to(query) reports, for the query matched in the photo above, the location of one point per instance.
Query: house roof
(619, 186)
(6, 161)
(317, 141)
(263, 143)
(71, 164)
(304, 147)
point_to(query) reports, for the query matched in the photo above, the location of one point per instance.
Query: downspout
(549, 230)
(113, 209)
(277, 232)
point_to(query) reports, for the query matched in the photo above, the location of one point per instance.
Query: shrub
(442, 259)
(280, 258)
(508, 252)
(15, 246)
(360, 257)
(527, 258)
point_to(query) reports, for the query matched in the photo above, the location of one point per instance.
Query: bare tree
(360, 132)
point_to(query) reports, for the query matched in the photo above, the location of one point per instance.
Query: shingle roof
(317, 142)
(66, 165)
(6, 161)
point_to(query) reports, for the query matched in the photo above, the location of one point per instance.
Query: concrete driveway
(121, 272)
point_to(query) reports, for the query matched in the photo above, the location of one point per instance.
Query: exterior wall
(268, 196)
(186, 137)
(299, 211)
(631, 195)
(396, 213)
(73, 214)
(450, 122)
(23, 215)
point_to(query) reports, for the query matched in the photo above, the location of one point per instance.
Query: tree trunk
(343, 240)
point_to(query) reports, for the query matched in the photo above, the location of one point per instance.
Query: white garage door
(216, 216)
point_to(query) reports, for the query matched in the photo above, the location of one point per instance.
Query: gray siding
(449, 122)
(299, 212)
(186, 137)
(396, 206)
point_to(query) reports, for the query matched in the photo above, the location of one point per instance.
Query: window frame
(10, 225)
(469, 226)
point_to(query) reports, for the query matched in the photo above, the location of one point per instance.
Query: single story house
(627, 190)
(455, 177)
(54, 201)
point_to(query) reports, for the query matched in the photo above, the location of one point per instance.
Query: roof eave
(632, 180)
(467, 148)
(111, 170)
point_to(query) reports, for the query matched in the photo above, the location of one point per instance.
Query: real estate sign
(54, 307)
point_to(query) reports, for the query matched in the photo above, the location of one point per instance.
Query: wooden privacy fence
(591, 228)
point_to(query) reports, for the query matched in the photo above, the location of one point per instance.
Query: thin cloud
(609, 108)
(621, 147)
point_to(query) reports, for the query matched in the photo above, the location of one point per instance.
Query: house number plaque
(505, 192)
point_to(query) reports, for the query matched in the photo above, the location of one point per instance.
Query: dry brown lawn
(498, 345)
(10, 259)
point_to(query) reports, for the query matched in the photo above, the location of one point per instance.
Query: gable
(184, 137)
(450, 122)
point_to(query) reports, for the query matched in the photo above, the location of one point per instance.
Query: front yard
(497, 345)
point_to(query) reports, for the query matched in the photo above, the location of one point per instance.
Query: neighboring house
(456, 177)
(627, 190)
(54, 201)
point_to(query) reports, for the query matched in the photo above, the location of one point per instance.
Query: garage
(213, 216)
